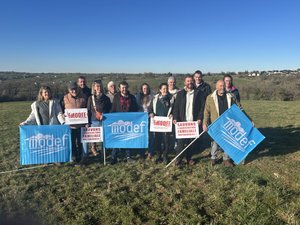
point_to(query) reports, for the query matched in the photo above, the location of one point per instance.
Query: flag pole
(185, 149)
(104, 156)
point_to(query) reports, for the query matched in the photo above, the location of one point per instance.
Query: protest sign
(76, 116)
(45, 144)
(235, 134)
(161, 124)
(126, 130)
(186, 130)
(91, 134)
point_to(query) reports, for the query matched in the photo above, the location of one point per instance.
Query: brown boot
(228, 163)
(213, 162)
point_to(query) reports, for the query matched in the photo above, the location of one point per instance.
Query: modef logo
(235, 135)
(45, 144)
(126, 130)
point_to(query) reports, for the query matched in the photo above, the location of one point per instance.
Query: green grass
(264, 191)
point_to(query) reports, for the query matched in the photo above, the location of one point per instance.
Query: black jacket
(116, 104)
(180, 105)
(204, 88)
(103, 105)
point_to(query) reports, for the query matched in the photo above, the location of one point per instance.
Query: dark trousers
(162, 144)
(76, 144)
(114, 153)
(181, 144)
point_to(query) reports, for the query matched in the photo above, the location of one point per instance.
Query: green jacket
(211, 110)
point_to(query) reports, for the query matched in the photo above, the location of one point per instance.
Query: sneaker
(178, 164)
(130, 160)
(191, 162)
(213, 162)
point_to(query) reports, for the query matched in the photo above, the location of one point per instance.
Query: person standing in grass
(188, 106)
(111, 90)
(172, 88)
(45, 110)
(161, 105)
(216, 104)
(85, 90)
(230, 88)
(200, 85)
(123, 102)
(98, 103)
(143, 99)
(75, 100)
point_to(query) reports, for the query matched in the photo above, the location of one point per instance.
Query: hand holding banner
(235, 134)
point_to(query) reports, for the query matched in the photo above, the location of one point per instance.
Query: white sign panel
(91, 134)
(76, 116)
(186, 130)
(161, 124)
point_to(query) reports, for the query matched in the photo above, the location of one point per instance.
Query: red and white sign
(76, 116)
(161, 124)
(91, 134)
(186, 130)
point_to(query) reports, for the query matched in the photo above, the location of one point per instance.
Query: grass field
(266, 190)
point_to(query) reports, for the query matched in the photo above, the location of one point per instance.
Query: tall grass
(266, 190)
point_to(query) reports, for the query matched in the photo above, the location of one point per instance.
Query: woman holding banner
(45, 111)
(161, 105)
(98, 103)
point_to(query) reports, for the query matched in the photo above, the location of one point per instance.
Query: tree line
(15, 86)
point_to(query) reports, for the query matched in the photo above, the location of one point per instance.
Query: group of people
(194, 102)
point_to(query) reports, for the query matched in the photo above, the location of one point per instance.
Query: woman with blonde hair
(45, 111)
(98, 103)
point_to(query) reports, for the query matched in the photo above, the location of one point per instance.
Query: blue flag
(235, 134)
(126, 130)
(45, 144)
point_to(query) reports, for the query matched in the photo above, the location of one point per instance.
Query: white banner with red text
(186, 130)
(161, 124)
(76, 116)
(91, 134)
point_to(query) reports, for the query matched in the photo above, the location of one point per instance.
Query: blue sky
(160, 36)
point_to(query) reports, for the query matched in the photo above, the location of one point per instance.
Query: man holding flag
(216, 104)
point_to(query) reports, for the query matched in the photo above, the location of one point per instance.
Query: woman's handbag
(98, 114)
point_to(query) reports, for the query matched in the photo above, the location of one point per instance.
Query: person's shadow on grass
(279, 141)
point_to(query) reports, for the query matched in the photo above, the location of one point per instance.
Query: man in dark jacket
(123, 102)
(200, 85)
(188, 106)
(85, 91)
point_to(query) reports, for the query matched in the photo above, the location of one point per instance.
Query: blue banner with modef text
(126, 130)
(235, 134)
(45, 144)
